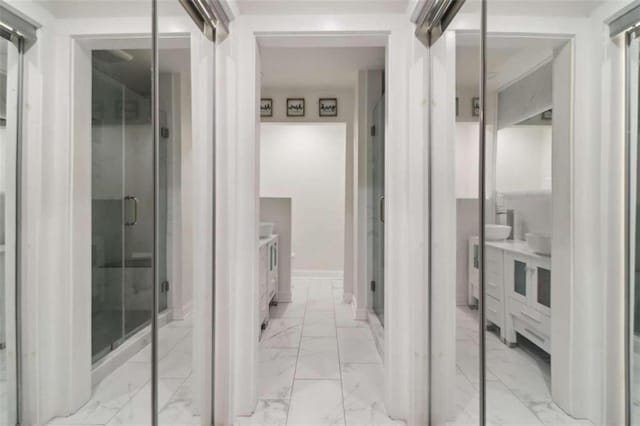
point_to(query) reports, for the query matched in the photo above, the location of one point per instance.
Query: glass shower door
(122, 228)
(377, 179)
(138, 225)
(108, 215)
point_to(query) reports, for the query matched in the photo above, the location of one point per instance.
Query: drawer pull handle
(493, 311)
(492, 284)
(537, 336)
(531, 317)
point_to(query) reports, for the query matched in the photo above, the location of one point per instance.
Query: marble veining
(330, 373)
(124, 397)
(518, 381)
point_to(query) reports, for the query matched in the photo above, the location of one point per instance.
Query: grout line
(295, 370)
(344, 410)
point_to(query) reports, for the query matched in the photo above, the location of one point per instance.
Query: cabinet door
(542, 281)
(519, 280)
(473, 263)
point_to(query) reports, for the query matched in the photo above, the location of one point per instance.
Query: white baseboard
(181, 312)
(284, 297)
(378, 332)
(124, 352)
(359, 313)
(317, 273)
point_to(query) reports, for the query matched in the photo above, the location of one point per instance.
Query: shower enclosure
(376, 170)
(122, 199)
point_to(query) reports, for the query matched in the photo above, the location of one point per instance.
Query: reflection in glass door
(376, 166)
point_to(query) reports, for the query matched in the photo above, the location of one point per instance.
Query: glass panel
(107, 206)
(105, 75)
(520, 278)
(9, 57)
(532, 113)
(455, 134)
(544, 287)
(476, 256)
(135, 111)
(179, 377)
(376, 165)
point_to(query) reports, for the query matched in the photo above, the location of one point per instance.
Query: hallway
(317, 364)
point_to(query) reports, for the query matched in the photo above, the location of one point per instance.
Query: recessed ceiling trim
(432, 17)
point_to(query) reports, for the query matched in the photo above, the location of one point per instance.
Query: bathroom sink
(539, 243)
(266, 229)
(496, 232)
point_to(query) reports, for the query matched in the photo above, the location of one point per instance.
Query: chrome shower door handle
(381, 201)
(135, 210)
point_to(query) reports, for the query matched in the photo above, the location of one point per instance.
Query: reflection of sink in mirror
(496, 232)
(266, 229)
(539, 243)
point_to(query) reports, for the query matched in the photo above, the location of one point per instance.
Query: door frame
(404, 164)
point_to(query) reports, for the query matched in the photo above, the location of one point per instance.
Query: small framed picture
(547, 115)
(328, 107)
(295, 107)
(475, 107)
(266, 107)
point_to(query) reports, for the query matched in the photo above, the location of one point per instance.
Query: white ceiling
(567, 8)
(107, 8)
(334, 67)
(502, 51)
(305, 7)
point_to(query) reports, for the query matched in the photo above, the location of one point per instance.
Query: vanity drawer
(493, 288)
(532, 333)
(494, 311)
(493, 261)
(537, 322)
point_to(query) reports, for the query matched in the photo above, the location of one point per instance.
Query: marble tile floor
(318, 366)
(123, 398)
(518, 381)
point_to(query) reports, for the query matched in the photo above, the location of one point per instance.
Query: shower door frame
(81, 47)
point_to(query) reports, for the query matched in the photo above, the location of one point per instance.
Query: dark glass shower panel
(108, 205)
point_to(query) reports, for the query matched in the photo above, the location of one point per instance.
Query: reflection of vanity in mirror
(518, 244)
(519, 266)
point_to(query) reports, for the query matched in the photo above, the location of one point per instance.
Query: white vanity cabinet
(517, 289)
(528, 285)
(267, 276)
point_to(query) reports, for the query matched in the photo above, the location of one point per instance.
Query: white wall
(306, 162)
(523, 159)
(466, 152)
(347, 115)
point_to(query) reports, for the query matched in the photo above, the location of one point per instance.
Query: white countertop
(267, 240)
(515, 246)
